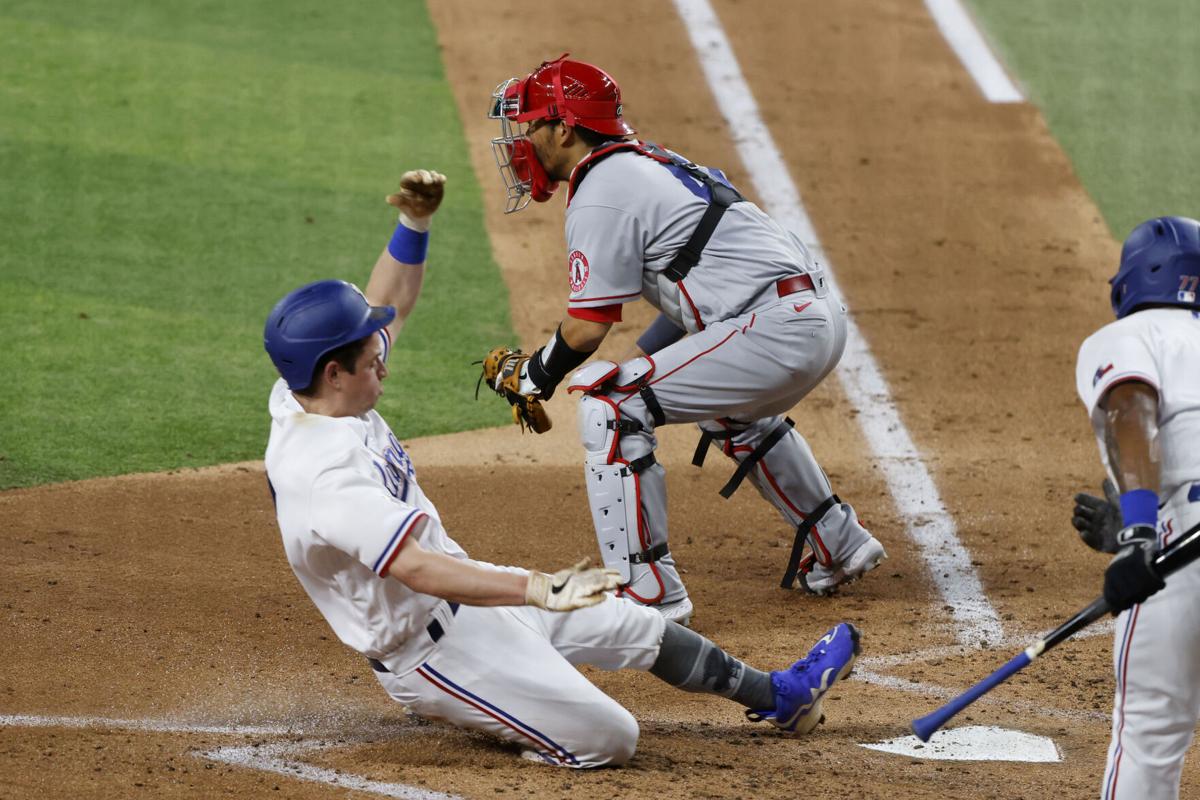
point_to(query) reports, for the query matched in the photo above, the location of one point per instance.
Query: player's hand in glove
(420, 194)
(1132, 577)
(507, 373)
(1098, 519)
(567, 589)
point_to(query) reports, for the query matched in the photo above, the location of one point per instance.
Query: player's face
(543, 136)
(362, 389)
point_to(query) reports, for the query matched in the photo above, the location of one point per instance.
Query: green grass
(171, 169)
(1119, 84)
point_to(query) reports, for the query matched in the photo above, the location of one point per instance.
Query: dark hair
(594, 139)
(347, 358)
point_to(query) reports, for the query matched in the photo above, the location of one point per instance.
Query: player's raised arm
(400, 270)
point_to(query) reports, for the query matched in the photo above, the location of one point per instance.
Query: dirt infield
(158, 644)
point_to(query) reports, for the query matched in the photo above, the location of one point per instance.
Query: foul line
(917, 500)
(963, 36)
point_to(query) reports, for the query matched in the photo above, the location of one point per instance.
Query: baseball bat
(1182, 552)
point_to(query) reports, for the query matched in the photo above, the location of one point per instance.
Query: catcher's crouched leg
(627, 495)
(778, 462)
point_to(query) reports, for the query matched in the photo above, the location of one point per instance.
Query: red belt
(796, 283)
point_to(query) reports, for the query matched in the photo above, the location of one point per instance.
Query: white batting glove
(568, 589)
(421, 192)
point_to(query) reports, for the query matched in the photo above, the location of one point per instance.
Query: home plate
(974, 743)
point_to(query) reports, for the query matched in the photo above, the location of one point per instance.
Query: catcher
(748, 327)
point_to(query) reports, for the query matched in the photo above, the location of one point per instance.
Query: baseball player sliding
(481, 646)
(748, 327)
(1140, 380)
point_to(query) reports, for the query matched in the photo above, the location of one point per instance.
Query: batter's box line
(870, 670)
(276, 757)
(280, 758)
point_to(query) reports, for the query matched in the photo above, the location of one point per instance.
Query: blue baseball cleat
(800, 688)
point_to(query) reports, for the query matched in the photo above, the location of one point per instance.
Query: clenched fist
(421, 192)
(568, 589)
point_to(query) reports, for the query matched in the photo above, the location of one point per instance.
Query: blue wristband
(408, 246)
(1139, 507)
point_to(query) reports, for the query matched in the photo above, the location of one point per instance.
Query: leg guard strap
(639, 465)
(751, 460)
(802, 531)
(706, 439)
(656, 553)
(652, 404)
(624, 425)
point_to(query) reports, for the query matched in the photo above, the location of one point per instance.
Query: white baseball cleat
(817, 579)
(679, 612)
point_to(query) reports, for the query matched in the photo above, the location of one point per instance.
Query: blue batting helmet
(315, 319)
(1160, 265)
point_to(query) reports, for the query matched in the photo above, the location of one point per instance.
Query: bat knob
(925, 727)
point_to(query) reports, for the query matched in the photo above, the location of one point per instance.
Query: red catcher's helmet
(573, 91)
(576, 93)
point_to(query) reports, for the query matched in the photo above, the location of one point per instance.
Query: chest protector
(721, 196)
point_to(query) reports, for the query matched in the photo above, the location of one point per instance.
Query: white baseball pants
(510, 671)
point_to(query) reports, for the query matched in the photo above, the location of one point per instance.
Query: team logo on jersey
(1100, 373)
(396, 469)
(577, 270)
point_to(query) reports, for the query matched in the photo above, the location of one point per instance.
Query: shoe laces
(799, 668)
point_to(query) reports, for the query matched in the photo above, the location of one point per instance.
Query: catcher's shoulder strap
(721, 196)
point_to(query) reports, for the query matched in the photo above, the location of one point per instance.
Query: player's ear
(332, 373)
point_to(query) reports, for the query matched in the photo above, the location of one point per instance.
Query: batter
(748, 327)
(481, 646)
(1139, 378)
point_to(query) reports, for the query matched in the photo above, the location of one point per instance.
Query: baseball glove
(503, 369)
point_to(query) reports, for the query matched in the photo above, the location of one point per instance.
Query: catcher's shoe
(800, 689)
(679, 611)
(816, 578)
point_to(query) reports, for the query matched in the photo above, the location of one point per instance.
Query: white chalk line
(968, 43)
(917, 500)
(148, 725)
(277, 757)
(869, 669)
(945, 693)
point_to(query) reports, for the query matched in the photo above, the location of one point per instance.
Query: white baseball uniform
(1156, 653)
(763, 327)
(346, 500)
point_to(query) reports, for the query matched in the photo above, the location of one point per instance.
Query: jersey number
(695, 186)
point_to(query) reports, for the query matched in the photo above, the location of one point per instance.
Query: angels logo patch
(577, 271)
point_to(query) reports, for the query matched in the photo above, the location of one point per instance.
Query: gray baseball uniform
(764, 330)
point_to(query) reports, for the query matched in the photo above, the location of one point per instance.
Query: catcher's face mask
(524, 176)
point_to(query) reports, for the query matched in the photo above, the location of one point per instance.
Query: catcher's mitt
(502, 369)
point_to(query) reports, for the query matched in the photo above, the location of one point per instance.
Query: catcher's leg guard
(627, 494)
(779, 463)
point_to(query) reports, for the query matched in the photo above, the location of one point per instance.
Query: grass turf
(1119, 84)
(171, 169)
